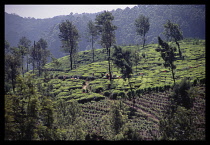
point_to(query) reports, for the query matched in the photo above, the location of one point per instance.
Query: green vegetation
(101, 97)
(142, 26)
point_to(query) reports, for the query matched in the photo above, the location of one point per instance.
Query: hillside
(150, 71)
(191, 19)
(81, 104)
(155, 91)
(152, 85)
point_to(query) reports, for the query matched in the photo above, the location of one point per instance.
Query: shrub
(203, 80)
(195, 82)
(161, 89)
(154, 89)
(139, 92)
(149, 89)
(106, 94)
(131, 93)
(122, 94)
(114, 94)
(97, 89)
(180, 94)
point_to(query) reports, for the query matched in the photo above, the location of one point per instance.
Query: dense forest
(191, 19)
(146, 80)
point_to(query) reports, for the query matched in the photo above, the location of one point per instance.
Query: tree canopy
(142, 26)
(69, 37)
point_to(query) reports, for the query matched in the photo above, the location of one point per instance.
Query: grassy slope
(149, 107)
(154, 72)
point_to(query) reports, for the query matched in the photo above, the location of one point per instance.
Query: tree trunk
(143, 40)
(13, 84)
(27, 62)
(92, 48)
(39, 69)
(172, 70)
(33, 66)
(180, 53)
(22, 66)
(110, 75)
(136, 68)
(70, 60)
(131, 92)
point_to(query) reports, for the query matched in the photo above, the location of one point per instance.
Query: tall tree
(43, 54)
(33, 54)
(106, 30)
(12, 67)
(123, 60)
(92, 31)
(142, 26)
(136, 58)
(26, 43)
(173, 32)
(69, 37)
(168, 55)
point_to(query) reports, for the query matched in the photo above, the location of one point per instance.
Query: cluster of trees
(28, 115)
(16, 58)
(32, 113)
(103, 27)
(179, 122)
(191, 19)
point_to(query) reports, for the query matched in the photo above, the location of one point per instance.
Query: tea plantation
(151, 81)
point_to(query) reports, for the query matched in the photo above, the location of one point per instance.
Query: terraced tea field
(150, 74)
(151, 83)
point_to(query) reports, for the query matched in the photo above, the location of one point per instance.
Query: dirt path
(143, 112)
(85, 86)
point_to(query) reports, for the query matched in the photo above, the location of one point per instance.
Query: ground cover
(151, 83)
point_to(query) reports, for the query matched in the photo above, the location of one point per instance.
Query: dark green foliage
(117, 119)
(98, 89)
(178, 126)
(69, 37)
(142, 26)
(173, 32)
(92, 31)
(122, 94)
(24, 45)
(168, 55)
(139, 92)
(131, 93)
(106, 30)
(12, 68)
(122, 59)
(180, 95)
(131, 134)
(106, 93)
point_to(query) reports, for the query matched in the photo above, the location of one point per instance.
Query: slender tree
(25, 43)
(12, 66)
(93, 33)
(173, 32)
(69, 37)
(33, 54)
(122, 59)
(42, 55)
(106, 30)
(136, 58)
(167, 54)
(142, 26)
